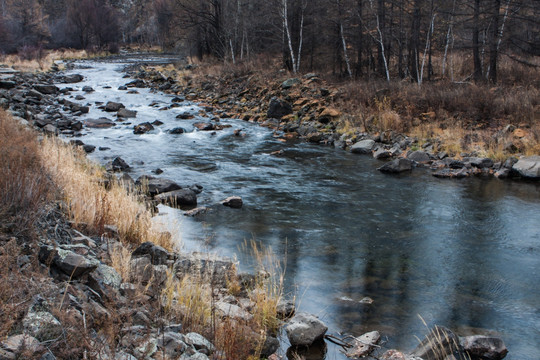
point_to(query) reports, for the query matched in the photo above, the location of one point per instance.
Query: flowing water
(459, 253)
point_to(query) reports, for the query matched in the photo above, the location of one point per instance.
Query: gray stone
(484, 347)
(42, 325)
(217, 270)
(74, 78)
(363, 345)
(528, 167)
(6, 84)
(419, 157)
(270, 346)
(88, 89)
(143, 128)
(304, 329)
(50, 129)
(104, 276)
(141, 269)
(70, 263)
(152, 185)
(479, 162)
(381, 153)
(113, 106)
(285, 309)
(88, 148)
(278, 108)
(125, 113)
(363, 147)
(158, 255)
(289, 83)
(46, 89)
(181, 197)
(146, 348)
(172, 344)
(234, 202)
(396, 166)
(199, 342)
(117, 164)
(21, 342)
(177, 130)
(232, 311)
(99, 123)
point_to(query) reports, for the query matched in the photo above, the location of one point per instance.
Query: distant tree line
(413, 39)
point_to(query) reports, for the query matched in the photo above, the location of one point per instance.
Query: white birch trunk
(288, 34)
(380, 41)
(428, 41)
(345, 54)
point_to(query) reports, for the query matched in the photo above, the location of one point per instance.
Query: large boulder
(484, 347)
(125, 113)
(117, 164)
(158, 255)
(363, 147)
(70, 263)
(396, 166)
(73, 78)
(304, 329)
(181, 197)
(113, 106)
(152, 185)
(46, 89)
(278, 108)
(528, 167)
(419, 156)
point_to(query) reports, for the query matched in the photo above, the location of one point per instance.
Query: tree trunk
(477, 74)
(494, 51)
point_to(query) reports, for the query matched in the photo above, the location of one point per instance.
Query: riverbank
(457, 130)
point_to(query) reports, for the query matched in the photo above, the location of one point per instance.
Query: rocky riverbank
(82, 283)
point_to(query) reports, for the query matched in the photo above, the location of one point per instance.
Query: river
(460, 253)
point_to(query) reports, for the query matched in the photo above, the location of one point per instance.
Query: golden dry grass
(88, 201)
(43, 62)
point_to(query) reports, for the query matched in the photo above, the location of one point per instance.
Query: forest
(418, 40)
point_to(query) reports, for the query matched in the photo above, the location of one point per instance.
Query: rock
(448, 173)
(439, 343)
(225, 309)
(203, 126)
(397, 355)
(46, 89)
(285, 309)
(363, 147)
(396, 166)
(528, 167)
(196, 211)
(234, 202)
(270, 346)
(304, 329)
(199, 342)
(419, 157)
(278, 108)
(185, 116)
(328, 114)
(125, 113)
(42, 325)
(289, 83)
(172, 344)
(181, 197)
(479, 162)
(50, 129)
(502, 173)
(6, 84)
(146, 349)
(143, 128)
(107, 275)
(484, 347)
(88, 148)
(117, 164)
(70, 263)
(99, 123)
(216, 269)
(158, 255)
(363, 345)
(88, 89)
(177, 130)
(21, 342)
(153, 186)
(113, 106)
(314, 137)
(381, 153)
(73, 78)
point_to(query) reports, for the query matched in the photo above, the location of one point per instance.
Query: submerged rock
(234, 202)
(143, 128)
(484, 347)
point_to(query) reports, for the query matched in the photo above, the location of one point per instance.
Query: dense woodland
(389, 39)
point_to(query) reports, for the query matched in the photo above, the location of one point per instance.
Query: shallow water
(459, 253)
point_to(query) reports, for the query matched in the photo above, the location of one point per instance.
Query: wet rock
(152, 185)
(157, 123)
(42, 325)
(528, 167)
(157, 254)
(396, 166)
(439, 343)
(125, 113)
(46, 89)
(143, 128)
(117, 164)
(73, 78)
(278, 108)
(7, 84)
(484, 347)
(381, 153)
(136, 83)
(113, 106)
(479, 162)
(88, 89)
(177, 130)
(502, 173)
(363, 147)
(304, 329)
(99, 123)
(453, 163)
(70, 263)
(289, 83)
(122, 88)
(363, 345)
(204, 126)
(181, 197)
(88, 148)
(185, 116)
(235, 202)
(419, 157)
(196, 211)
(449, 173)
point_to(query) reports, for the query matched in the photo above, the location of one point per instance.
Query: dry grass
(90, 204)
(24, 184)
(41, 60)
